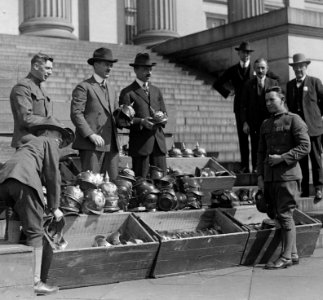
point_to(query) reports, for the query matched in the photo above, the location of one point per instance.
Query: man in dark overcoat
(147, 144)
(93, 103)
(304, 95)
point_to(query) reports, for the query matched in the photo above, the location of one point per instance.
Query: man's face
(143, 73)
(300, 70)
(42, 70)
(261, 69)
(244, 55)
(274, 103)
(103, 68)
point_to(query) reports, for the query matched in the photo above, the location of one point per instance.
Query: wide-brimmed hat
(101, 54)
(52, 123)
(299, 58)
(142, 59)
(244, 46)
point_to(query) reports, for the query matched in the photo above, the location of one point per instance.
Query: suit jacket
(30, 106)
(91, 112)
(36, 163)
(284, 134)
(235, 76)
(253, 106)
(311, 102)
(141, 140)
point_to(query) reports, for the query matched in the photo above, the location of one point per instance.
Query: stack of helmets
(224, 198)
(110, 192)
(187, 152)
(174, 152)
(124, 115)
(167, 199)
(127, 174)
(124, 191)
(192, 189)
(198, 151)
(71, 199)
(146, 194)
(94, 202)
(155, 173)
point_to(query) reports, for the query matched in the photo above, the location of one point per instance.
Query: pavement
(299, 282)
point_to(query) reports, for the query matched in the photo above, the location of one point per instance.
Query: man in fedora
(304, 94)
(93, 103)
(36, 164)
(29, 102)
(234, 79)
(147, 144)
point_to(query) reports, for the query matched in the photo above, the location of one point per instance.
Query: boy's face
(274, 103)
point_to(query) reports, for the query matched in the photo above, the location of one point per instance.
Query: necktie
(145, 87)
(103, 84)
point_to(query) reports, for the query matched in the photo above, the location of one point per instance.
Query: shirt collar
(141, 83)
(245, 64)
(98, 78)
(302, 79)
(261, 80)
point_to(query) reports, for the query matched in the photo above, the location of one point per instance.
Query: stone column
(51, 18)
(243, 9)
(156, 21)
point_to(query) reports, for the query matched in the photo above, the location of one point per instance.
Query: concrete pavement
(300, 282)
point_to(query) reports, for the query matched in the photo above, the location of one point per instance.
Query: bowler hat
(244, 46)
(101, 54)
(299, 58)
(142, 59)
(52, 123)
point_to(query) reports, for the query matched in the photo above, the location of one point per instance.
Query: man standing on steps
(147, 144)
(93, 103)
(253, 105)
(30, 104)
(304, 95)
(237, 76)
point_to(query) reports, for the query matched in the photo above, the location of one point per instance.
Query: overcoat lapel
(101, 95)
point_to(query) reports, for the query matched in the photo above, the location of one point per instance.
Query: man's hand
(274, 159)
(146, 123)
(246, 128)
(58, 214)
(97, 140)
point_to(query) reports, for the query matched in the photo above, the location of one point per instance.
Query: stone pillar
(51, 18)
(243, 9)
(156, 21)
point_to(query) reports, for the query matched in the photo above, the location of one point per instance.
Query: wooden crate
(266, 243)
(193, 254)
(208, 184)
(81, 265)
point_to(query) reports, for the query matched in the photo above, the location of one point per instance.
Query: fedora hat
(244, 46)
(142, 59)
(101, 54)
(52, 123)
(299, 58)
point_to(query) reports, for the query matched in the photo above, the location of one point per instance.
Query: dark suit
(305, 101)
(145, 146)
(91, 112)
(237, 77)
(30, 106)
(254, 111)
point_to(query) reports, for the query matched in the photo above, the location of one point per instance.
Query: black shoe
(295, 259)
(41, 288)
(280, 263)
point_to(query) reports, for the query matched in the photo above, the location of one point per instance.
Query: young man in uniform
(283, 142)
(36, 164)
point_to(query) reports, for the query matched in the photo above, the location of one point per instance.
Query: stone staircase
(197, 113)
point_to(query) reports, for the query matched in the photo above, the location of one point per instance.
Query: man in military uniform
(284, 140)
(36, 164)
(30, 104)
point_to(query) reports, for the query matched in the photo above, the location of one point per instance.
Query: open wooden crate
(193, 254)
(80, 264)
(266, 243)
(208, 184)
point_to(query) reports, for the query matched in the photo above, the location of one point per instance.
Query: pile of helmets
(224, 198)
(145, 194)
(123, 116)
(198, 151)
(190, 186)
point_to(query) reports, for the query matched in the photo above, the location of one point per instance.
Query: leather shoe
(280, 263)
(318, 195)
(41, 288)
(295, 259)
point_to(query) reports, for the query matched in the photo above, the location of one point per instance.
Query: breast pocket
(40, 104)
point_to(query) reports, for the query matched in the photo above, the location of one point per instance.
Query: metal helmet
(128, 174)
(109, 189)
(261, 204)
(71, 198)
(181, 200)
(194, 200)
(159, 117)
(68, 204)
(221, 198)
(167, 181)
(187, 152)
(198, 151)
(174, 152)
(190, 184)
(86, 180)
(149, 201)
(111, 204)
(94, 201)
(146, 188)
(167, 200)
(73, 192)
(155, 173)
(100, 241)
(124, 115)
(243, 194)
